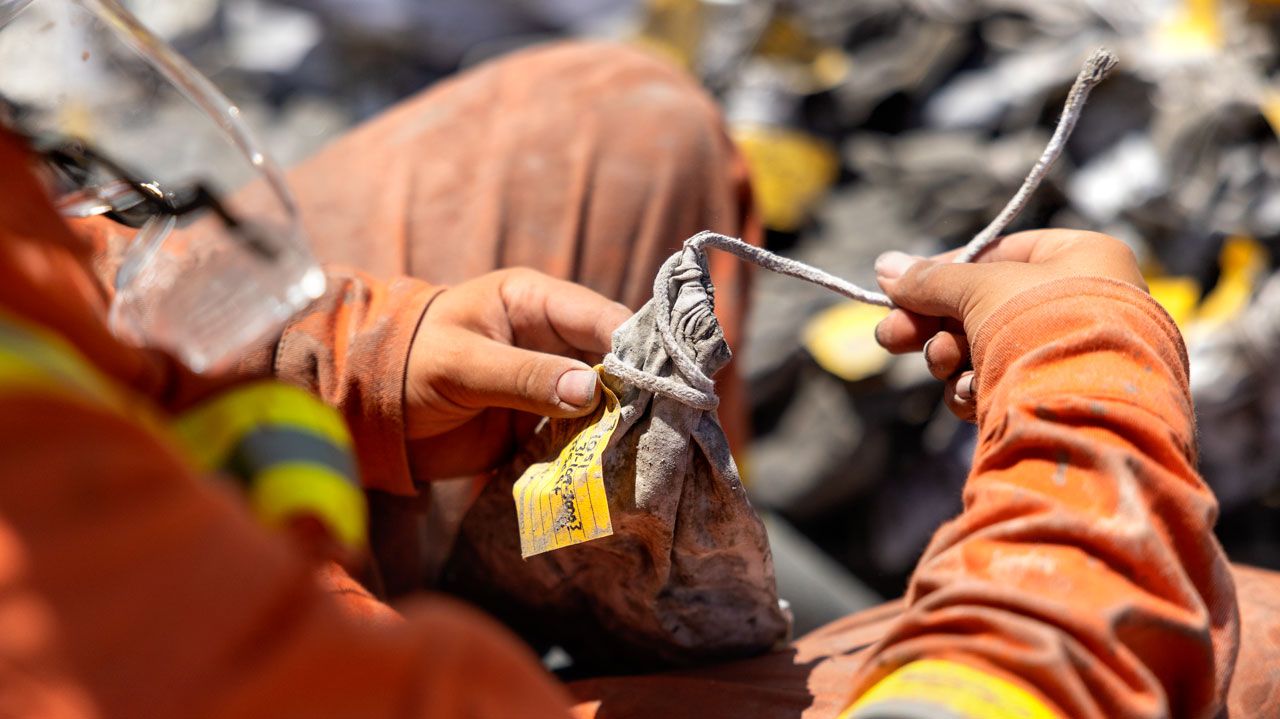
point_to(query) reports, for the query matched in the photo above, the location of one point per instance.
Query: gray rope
(787, 266)
(1098, 66)
(664, 386)
(700, 392)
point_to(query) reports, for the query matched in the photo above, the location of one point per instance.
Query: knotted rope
(699, 392)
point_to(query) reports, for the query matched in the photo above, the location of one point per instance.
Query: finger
(902, 331)
(487, 373)
(1039, 245)
(1018, 247)
(545, 311)
(946, 353)
(928, 287)
(961, 396)
(1045, 244)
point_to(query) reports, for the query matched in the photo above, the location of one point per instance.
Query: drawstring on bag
(700, 392)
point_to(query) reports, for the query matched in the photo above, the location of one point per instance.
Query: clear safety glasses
(204, 230)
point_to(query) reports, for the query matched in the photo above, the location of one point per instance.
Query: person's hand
(491, 355)
(941, 303)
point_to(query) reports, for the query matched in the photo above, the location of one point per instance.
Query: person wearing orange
(600, 209)
(425, 377)
(135, 588)
(1082, 580)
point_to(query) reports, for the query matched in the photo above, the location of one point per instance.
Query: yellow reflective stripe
(32, 357)
(36, 360)
(213, 429)
(300, 488)
(17, 374)
(953, 690)
(289, 486)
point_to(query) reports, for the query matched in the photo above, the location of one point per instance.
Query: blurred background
(872, 125)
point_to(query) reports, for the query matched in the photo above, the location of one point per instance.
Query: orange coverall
(1083, 568)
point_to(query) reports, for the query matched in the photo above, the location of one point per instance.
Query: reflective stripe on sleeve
(34, 359)
(272, 445)
(936, 689)
(291, 451)
(298, 488)
(214, 429)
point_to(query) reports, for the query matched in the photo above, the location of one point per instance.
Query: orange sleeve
(351, 349)
(1084, 567)
(129, 588)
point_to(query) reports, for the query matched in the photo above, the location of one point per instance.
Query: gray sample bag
(678, 570)
(686, 575)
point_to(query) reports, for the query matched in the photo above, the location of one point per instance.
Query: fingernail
(964, 387)
(925, 350)
(892, 264)
(577, 387)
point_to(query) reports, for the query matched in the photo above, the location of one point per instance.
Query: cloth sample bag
(680, 569)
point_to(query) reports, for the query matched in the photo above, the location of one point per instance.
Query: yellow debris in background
(1195, 29)
(784, 39)
(1178, 295)
(673, 29)
(832, 66)
(1269, 105)
(790, 171)
(1244, 264)
(842, 340)
(814, 66)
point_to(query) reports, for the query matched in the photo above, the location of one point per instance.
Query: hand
(491, 355)
(941, 303)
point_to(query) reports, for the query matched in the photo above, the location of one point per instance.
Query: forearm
(351, 349)
(1084, 567)
(131, 587)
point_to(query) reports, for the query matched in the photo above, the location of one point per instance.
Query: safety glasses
(213, 259)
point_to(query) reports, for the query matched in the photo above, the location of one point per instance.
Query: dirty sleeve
(130, 586)
(351, 348)
(1084, 568)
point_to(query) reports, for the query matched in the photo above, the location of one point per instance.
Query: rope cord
(699, 392)
(1095, 69)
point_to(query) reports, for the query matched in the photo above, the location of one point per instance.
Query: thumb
(929, 287)
(500, 375)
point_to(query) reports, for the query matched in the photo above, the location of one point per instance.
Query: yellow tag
(562, 501)
(957, 690)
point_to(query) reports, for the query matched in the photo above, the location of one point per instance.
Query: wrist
(1070, 315)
